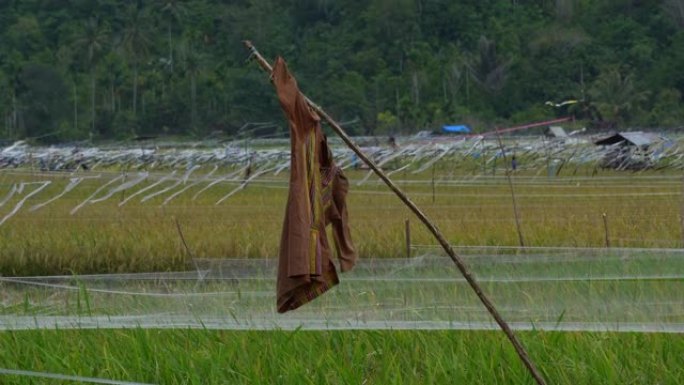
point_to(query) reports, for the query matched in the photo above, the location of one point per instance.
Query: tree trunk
(397, 108)
(135, 88)
(416, 89)
(92, 101)
(170, 48)
(193, 97)
(75, 109)
(468, 87)
(13, 126)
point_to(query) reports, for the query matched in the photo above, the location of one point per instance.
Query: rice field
(199, 356)
(98, 283)
(641, 210)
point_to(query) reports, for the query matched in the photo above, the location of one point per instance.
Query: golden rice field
(641, 210)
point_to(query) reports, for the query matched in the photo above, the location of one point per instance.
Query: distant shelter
(556, 132)
(629, 150)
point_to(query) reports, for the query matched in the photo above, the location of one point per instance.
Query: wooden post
(407, 234)
(605, 229)
(458, 261)
(516, 215)
(123, 192)
(681, 214)
(433, 183)
(182, 237)
(483, 155)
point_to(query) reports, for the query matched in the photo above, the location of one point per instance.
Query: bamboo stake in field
(423, 218)
(605, 229)
(407, 235)
(681, 214)
(516, 215)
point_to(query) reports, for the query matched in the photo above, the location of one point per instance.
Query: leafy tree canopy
(76, 69)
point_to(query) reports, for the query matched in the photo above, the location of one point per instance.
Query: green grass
(341, 357)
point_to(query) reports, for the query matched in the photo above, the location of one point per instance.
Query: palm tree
(487, 68)
(92, 41)
(114, 69)
(675, 9)
(65, 58)
(173, 11)
(615, 96)
(565, 10)
(12, 67)
(136, 43)
(193, 63)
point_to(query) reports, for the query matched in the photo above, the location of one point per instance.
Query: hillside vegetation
(77, 69)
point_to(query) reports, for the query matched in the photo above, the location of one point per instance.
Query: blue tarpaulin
(462, 129)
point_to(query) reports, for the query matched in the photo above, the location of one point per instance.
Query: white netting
(543, 288)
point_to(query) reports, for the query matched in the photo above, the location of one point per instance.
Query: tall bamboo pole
(423, 218)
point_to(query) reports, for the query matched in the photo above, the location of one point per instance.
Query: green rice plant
(200, 356)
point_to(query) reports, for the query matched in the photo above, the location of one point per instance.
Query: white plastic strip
(64, 377)
(281, 167)
(225, 178)
(184, 189)
(244, 184)
(601, 250)
(153, 185)
(169, 188)
(73, 183)
(9, 195)
(75, 209)
(381, 163)
(138, 293)
(434, 160)
(21, 202)
(123, 186)
(166, 321)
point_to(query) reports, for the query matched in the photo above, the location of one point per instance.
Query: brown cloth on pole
(316, 198)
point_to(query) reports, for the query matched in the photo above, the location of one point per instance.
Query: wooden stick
(516, 215)
(681, 214)
(407, 235)
(605, 229)
(182, 237)
(433, 183)
(423, 218)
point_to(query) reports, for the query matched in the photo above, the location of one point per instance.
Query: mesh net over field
(533, 288)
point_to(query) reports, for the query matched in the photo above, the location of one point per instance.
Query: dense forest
(111, 69)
